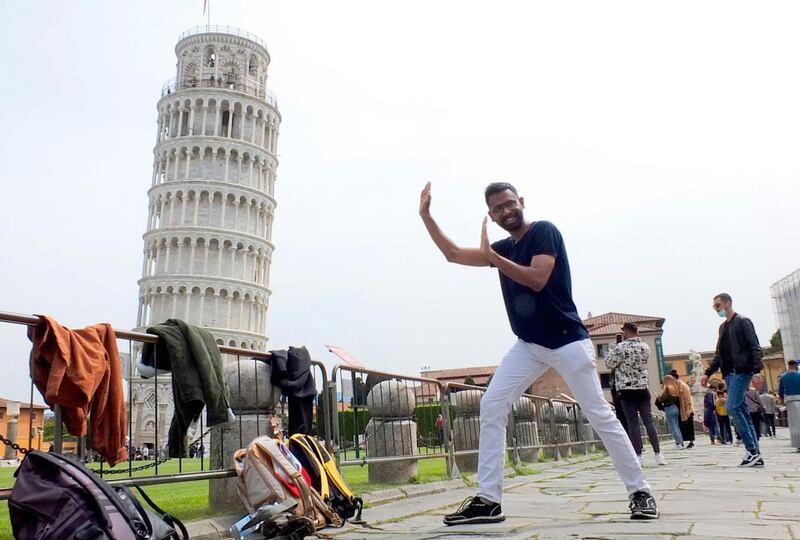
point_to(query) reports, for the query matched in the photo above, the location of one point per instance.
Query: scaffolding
(786, 302)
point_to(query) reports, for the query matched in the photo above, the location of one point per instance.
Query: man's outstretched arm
(452, 252)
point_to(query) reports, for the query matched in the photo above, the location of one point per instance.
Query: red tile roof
(613, 317)
(22, 405)
(614, 329)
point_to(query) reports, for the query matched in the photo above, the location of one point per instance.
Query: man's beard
(512, 223)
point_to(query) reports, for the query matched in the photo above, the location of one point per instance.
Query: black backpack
(54, 498)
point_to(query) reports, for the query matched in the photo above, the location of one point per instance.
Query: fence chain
(14, 445)
(149, 465)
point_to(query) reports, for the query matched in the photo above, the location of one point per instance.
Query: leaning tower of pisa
(207, 247)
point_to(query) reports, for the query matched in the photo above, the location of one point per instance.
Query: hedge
(425, 415)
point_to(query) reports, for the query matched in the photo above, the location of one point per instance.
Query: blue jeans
(710, 420)
(674, 421)
(737, 384)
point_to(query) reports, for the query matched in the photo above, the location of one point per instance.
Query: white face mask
(723, 313)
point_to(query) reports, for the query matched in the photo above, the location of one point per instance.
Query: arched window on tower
(252, 66)
(210, 57)
(226, 118)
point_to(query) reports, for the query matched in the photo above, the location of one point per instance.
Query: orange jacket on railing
(81, 371)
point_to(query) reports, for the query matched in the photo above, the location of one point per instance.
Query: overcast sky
(661, 138)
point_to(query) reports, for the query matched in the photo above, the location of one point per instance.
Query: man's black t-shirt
(548, 318)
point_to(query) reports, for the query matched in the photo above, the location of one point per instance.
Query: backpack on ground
(55, 498)
(325, 477)
(265, 475)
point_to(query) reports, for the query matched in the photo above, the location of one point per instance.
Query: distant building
(774, 366)
(30, 424)
(603, 331)
(786, 302)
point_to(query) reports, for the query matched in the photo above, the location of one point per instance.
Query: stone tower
(207, 248)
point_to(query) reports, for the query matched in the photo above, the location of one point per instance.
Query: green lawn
(189, 500)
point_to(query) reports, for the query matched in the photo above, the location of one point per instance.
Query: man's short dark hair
(498, 187)
(725, 297)
(631, 326)
(792, 363)
(674, 373)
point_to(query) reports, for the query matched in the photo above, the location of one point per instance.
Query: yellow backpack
(325, 477)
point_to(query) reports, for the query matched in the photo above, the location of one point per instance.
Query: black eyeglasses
(508, 205)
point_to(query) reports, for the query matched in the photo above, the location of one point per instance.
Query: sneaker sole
(470, 521)
(752, 465)
(641, 515)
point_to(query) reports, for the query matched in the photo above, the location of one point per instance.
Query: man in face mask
(738, 355)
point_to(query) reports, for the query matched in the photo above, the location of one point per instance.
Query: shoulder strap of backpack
(332, 473)
(167, 517)
(311, 454)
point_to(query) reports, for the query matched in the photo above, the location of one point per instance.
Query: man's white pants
(522, 365)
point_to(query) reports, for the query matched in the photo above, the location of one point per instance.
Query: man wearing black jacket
(738, 355)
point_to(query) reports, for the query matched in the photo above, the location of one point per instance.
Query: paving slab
(701, 494)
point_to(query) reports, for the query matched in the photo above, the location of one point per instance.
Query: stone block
(249, 385)
(391, 399)
(466, 435)
(527, 434)
(466, 402)
(225, 440)
(524, 409)
(387, 438)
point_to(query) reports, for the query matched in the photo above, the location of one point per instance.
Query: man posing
(629, 360)
(537, 289)
(738, 355)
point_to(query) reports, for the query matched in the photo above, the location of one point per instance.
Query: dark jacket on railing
(291, 371)
(192, 355)
(738, 350)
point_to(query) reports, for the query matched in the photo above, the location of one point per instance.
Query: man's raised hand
(425, 200)
(486, 246)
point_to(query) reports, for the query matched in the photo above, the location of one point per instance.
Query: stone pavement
(701, 494)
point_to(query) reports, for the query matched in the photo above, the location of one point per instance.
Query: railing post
(554, 430)
(335, 419)
(452, 466)
(512, 426)
(58, 433)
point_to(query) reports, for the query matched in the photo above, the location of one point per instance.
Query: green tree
(776, 342)
(469, 380)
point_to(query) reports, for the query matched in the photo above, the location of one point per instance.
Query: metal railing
(218, 29)
(216, 460)
(222, 82)
(386, 421)
(382, 417)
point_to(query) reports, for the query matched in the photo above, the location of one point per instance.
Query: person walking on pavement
(687, 410)
(537, 288)
(670, 401)
(615, 401)
(754, 407)
(724, 420)
(710, 416)
(789, 392)
(768, 402)
(738, 355)
(628, 360)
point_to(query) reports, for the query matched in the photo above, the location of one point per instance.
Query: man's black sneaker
(752, 460)
(475, 510)
(643, 506)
